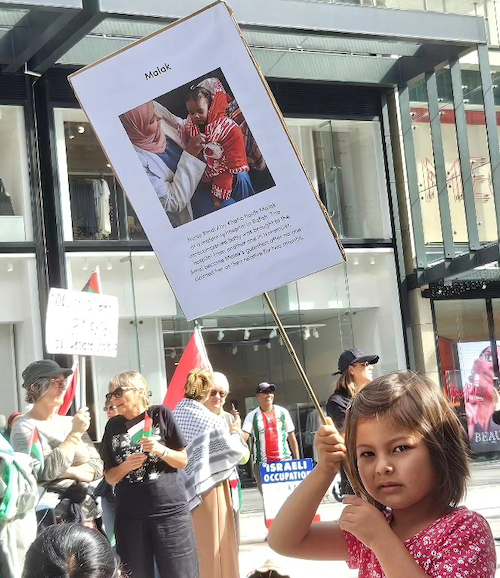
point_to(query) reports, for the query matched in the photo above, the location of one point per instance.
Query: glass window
(468, 368)
(91, 198)
(345, 161)
(15, 201)
(20, 329)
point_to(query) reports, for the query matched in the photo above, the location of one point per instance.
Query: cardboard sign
(80, 323)
(279, 480)
(201, 150)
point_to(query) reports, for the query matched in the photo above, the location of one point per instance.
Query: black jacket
(336, 408)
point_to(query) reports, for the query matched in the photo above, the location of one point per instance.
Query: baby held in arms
(406, 458)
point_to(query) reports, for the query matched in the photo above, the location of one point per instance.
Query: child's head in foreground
(405, 443)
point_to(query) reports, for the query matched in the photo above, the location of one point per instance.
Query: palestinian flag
(35, 447)
(69, 396)
(143, 429)
(94, 283)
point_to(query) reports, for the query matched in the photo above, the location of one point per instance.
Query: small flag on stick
(70, 394)
(143, 429)
(35, 447)
(94, 283)
(194, 357)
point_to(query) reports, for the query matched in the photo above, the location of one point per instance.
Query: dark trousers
(167, 538)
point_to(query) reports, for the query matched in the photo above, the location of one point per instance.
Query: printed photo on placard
(202, 118)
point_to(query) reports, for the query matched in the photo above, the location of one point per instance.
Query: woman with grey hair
(65, 457)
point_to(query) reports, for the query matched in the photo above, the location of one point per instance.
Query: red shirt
(458, 545)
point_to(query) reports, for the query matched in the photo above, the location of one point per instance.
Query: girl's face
(394, 464)
(198, 109)
(154, 120)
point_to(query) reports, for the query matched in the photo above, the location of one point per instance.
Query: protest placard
(81, 323)
(200, 148)
(279, 480)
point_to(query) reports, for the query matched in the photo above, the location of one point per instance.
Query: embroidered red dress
(458, 545)
(225, 149)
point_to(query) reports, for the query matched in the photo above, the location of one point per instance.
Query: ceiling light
(108, 165)
(256, 347)
(246, 335)
(235, 350)
(71, 136)
(356, 261)
(81, 129)
(315, 333)
(307, 333)
(10, 267)
(280, 339)
(372, 260)
(141, 264)
(273, 333)
(220, 336)
(268, 345)
(172, 354)
(110, 266)
(85, 265)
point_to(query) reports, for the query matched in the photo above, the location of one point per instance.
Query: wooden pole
(295, 359)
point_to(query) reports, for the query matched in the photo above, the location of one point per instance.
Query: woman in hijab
(169, 159)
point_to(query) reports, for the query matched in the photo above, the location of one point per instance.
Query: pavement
(483, 496)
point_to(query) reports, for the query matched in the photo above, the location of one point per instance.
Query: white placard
(81, 323)
(271, 230)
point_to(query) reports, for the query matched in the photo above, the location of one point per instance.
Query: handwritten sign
(279, 480)
(81, 323)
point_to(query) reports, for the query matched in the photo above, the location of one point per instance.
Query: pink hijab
(136, 121)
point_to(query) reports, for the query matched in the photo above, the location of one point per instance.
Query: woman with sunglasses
(142, 449)
(356, 370)
(64, 456)
(213, 451)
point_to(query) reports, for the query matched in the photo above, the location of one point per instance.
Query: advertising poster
(279, 480)
(81, 323)
(201, 150)
(479, 395)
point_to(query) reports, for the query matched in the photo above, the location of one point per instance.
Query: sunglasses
(59, 380)
(222, 394)
(107, 408)
(118, 392)
(364, 363)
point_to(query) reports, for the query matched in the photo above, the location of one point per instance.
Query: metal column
(411, 172)
(464, 155)
(491, 126)
(439, 165)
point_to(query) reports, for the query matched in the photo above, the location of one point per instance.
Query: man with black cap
(272, 429)
(356, 370)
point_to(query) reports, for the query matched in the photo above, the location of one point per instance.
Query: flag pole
(295, 359)
(83, 382)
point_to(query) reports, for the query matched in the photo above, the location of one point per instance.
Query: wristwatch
(165, 453)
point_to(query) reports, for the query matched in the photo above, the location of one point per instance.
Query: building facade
(394, 112)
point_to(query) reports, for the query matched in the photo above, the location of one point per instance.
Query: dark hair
(37, 389)
(71, 551)
(414, 403)
(198, 92)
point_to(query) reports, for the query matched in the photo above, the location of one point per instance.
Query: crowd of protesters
(162, 497)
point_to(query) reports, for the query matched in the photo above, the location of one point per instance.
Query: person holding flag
(64, 455)
(142, 449)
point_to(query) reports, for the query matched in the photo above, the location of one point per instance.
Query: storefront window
(20, 328)
(469, 369)
(15, 202)
(345, 162)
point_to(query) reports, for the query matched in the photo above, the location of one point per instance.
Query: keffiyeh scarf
(211, 450)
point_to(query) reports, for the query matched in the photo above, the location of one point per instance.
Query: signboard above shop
(201, 150)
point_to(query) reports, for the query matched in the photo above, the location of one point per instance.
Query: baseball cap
(43, 368)
(352, 356)
(264, 386)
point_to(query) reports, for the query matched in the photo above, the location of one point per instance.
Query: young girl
(407, 462)
(224, 150)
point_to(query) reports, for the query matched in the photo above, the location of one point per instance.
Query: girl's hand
(135, 461)
(217, 202)
(363, 521)
(151, 446)
(330, 447)
(196, 144)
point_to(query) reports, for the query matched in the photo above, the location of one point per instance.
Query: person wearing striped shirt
(272, 430)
